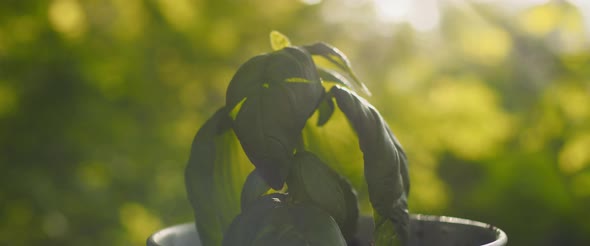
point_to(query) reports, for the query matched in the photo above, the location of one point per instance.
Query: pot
(424, 230)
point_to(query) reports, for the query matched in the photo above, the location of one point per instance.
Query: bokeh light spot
(130, 19)
(469, 120)
(484, 43)
(429, 193)
(223, 37)
(67, 17)
(94, 175)
(574, 101)
(181, 14)
(575, 155)
(55, 224)
(540, 20)
(138, 221)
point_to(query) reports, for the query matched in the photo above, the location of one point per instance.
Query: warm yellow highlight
(573, 100)
(223, 37)
(338, 60)
(138, 222)
(297, 80)
(279, 41)
(575, 154)
(469, 120)
(322, 61)
(181, 14)
(563, 22)
(234, 112)
(541, 20)
(428, 191)
(129, 23)
(485, 43)
(67, 17)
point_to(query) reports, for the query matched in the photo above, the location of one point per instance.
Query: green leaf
(278, 41)
(254, 187)
(349, 225)
(332, 76)
(384, 232)
(301, 225)
(245, 227)
(313, 225)
(338, 60)
(277, 93)
(386, 170)
(269, 221)
(313, 182)
(326, 109)
(213, 177)
(332, 144)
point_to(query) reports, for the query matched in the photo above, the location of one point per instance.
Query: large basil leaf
(269, 221)
(332, 144)
(325, 109)
(213, 177)
(333, 76)
(314, 182)
(342, 71)
(245, 227)
(271, 96)
(385, 166)
(254, 187)
(307, 223)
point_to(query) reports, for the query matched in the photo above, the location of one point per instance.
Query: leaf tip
(278, 40)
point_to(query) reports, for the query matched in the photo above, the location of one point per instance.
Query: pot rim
(501, 237)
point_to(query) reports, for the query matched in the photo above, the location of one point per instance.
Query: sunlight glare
(311, 2)
(392, 10)
(425, 15)
(422, 15)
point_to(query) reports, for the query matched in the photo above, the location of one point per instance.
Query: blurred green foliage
(99, 102)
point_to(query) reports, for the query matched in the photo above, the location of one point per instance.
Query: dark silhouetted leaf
(245, 228)
(326, 109)
(254, 187)
(271, 97)
(385, 162)
(300, 225)
(213, 177)
(339, 61)
(269, 221)
(349, 225)
(314, 182)
(329, 75)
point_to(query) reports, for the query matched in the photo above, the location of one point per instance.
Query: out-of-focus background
(100, 100)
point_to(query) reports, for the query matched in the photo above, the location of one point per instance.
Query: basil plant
(290, 196)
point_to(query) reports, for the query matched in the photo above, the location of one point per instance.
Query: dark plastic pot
(424, 230)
